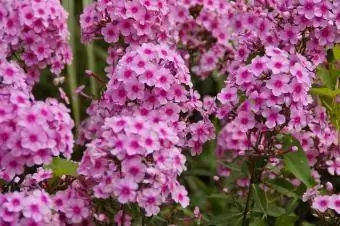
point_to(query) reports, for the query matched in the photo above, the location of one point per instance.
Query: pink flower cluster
(37, 207)
(324, 202)
(35, 33)
(27, 208)
(136, 160)
(236, 29)
(277, 89)
(153, 81)
(270, 67)
(12, 77)
(134, 22)
(139, 127)
(31, 132)
(73, 204)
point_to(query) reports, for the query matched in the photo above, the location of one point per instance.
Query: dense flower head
(276, 86)
(135, 160)
(241, 28)
(138, 129)
(31, 132)
(323, 202)
(27, 208)
(270, 69)
(12, 76)
(32, 206)
(73, 204)
(134, 22)
(154, 81)
(35, 33)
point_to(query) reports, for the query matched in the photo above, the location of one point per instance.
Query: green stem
(71, 69)
(250, 190)
(91, 60)
(143, 219)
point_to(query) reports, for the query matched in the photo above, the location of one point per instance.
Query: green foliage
(286, 220)
(296, 162)
(62, 167)
(325, 92)
(283, 186)
(336, 52)
(260, 198)
(330, 78)
(228, 218)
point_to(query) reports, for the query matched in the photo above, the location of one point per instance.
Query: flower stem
(71, 69)
(91, 59)
(250, 190)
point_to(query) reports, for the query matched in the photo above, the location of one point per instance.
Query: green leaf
(260, 199)
(274, 210)
(257, 221)
(336, 51)
(291, 206)
(297, 162)
(284, 187)
(223, 219)
(62, 167)
(220, 196)
(329, 75)
(325, 92)
(286, 220)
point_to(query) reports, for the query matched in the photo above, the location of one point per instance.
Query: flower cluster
(27, 208)
(270, 67)
(139, 128)
(35, 33)
(135, 22)
(274, 100)
(324, 202)
(152, 80)
(136, 160)
(149, 117)
(12, 77)
(31, 132)
(73, 204)
(37, 207)
(236, 30)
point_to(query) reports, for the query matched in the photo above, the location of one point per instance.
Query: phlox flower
(334, 203)
(333, 166)
(180, 195)
(245, 120)
(76, 210)
(227, 95)
(125, 190)
(258, 65)
(278, 84)
(150, 200)
(273, 116)
(321, 203)
(33, 208)
(14, 202)
(122, 219)
(133, 169)
(110, 33)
